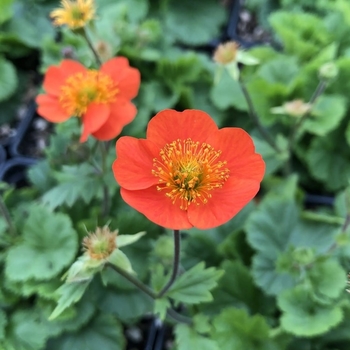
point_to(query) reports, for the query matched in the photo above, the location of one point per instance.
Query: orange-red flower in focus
(187, 172)
(101, 98)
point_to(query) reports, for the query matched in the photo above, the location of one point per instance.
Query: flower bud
(328, 71)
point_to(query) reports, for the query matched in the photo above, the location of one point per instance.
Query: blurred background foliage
(285, 259)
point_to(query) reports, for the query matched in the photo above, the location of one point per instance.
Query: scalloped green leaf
(187, 338)
(49, 245)
(227, 93)
(274, 228)
(328, 162)
(8, 79)
(102, 332)
(194, 285)
(302, 316)
(235, 329)
(326, 115)
(194, 23)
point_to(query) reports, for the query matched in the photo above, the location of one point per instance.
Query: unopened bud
(328, 71)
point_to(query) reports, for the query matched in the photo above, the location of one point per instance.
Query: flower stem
(91, 46)
(317, 93)
(134, 281)
(176, 263)
(178, 317)
(255, 119)
(5, 213)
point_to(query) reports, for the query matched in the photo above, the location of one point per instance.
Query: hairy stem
(255, 119)
(91, 46)
(178, 317)
(134, 281)
(176, 263)
(5, 213)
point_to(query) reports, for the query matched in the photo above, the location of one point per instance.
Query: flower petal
(170, 125)
(127, 78)
(95, 116)
(50, 109)
(224, 204)
(133, 166)
(56, 76)
(238, 150)
(122, 113)
(157, 208)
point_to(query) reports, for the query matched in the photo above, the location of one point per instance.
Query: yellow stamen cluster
(74, 14)
(84, 88)
(188, 171)
(100, 244)
(226, 53)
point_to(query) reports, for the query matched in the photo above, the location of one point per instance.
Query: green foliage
(303, 316)
(39, 256)
(8, 79)
(235, 329)
(194, 285)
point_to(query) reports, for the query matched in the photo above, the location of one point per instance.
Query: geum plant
(232, 273)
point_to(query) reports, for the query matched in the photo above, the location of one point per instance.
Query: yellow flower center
(84, 88)
(188, 171)
(74, 14)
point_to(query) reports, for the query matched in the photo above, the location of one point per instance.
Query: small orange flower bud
(226, 53)
(100, 244)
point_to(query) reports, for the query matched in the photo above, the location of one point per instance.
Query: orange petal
(224, 204)
(50, 109)
(121, 113)
(170, 125)
(127, 78)
(133, 166)
(56, 76)
(238, 150)
(95, 116)
(157, 208)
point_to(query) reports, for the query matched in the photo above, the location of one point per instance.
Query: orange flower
(101, 98)
(187, 172)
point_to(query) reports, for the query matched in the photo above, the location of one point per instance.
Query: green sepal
(119, 259)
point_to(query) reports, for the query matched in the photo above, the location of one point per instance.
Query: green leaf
(326, 115)
(187, 338)
(103, 332)
(3, 323)
(280, 72)
(328, 162)
(125, 304)
(328, 279)
(194, 285)
(77, 181)
(274, 160)
(194, 23)
(275, 228)
(123, 240)
(160, 307)
(118, 258)
(303, 34)
(235, 329)
(236, 288)
(25, 331)
(227, 93)
(70, 293)
(8, 79)
(6, 10)
(302, 316)
(49, 244)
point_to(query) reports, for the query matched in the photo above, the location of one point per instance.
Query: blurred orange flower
(188, 173)
(101, 98)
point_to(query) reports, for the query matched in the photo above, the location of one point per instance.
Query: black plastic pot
(14, 170)
(22, 131)
(2, 156)
(156, 336)
(315, 200)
